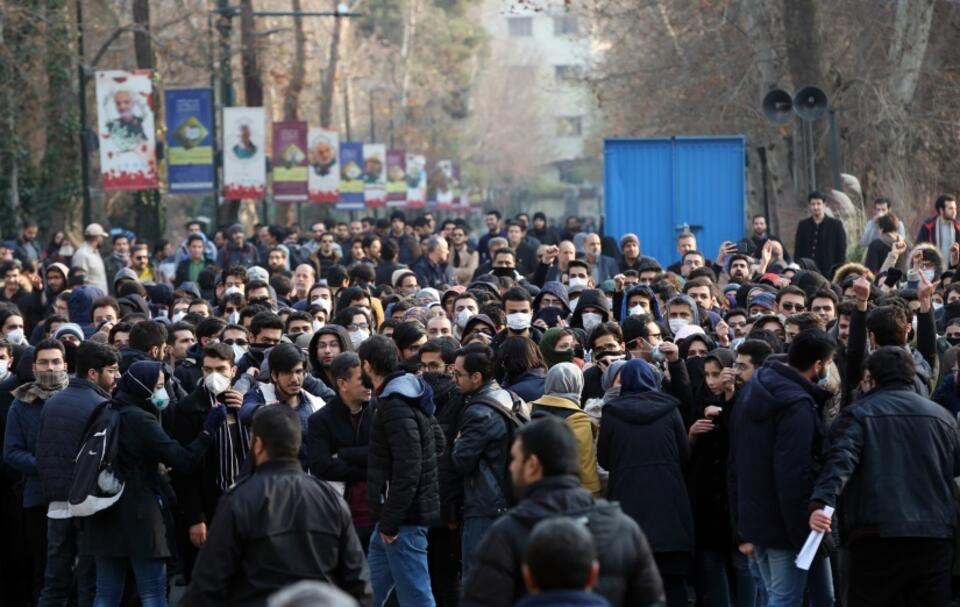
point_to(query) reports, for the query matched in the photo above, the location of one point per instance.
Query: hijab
(548, 343)
(136, 385)
(564, 380)
(638, 376)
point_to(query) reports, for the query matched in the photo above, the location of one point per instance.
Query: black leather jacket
(277, 527)
(481, 452)
(891, 463)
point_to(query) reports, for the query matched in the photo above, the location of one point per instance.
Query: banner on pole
(244, 160)
(189, 119)
(416, 181)
(290, 161)
(396, 179)
(351, 176)
(126, 129)
(374, 175)
(443, 184)
(323, 184)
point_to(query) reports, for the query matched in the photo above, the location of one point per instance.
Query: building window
(564, 73)
(566, 25)
(520, 26)
(569, 126)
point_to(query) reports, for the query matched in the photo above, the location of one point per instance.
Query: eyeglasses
(140, 257)
(792, 307)
(358, 327)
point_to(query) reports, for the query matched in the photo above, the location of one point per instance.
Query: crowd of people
(389, 413)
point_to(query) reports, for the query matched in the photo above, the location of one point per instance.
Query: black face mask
(366, 381)
(70, 355)
(953, 341)
(503, 271)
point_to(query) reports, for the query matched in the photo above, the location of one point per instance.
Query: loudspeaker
(777, 105)
(810, 103)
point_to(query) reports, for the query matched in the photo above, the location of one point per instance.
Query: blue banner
(351, 176)
(189, 117)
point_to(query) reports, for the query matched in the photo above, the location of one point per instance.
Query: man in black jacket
(62, 422)
(199, 491)
(544, 469)
(401, 475)
(481, 450)
(893, 457)
(276, 527)
(338, 436)
(820, 237)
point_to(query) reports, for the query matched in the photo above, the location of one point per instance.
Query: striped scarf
(229, 458)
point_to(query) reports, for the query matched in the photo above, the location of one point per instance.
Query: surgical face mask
(677, 323)
(822, 381)
(463, 317)
(316, 324)
(573, 302)
(937, 306)
(519, 321)
(591, 320)
(929, 274)
(216, 383)
(636, 310)
(233, 318)
(160, 399)
(609, 303)
(15, 337)
(5, 367)
(323, 303)
(358, 337)
(578, 281)
(238, 351)
(178, 316)
(233, 289)
(913, 323)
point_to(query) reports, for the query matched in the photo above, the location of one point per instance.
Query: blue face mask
(824, 378)
(160, 399)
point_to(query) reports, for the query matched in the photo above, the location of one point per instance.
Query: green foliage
(384, 20)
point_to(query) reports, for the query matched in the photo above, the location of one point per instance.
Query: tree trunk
(328, 87)
(252, 81)
(291, 103)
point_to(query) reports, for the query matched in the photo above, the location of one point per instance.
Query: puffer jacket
(775, 440)
(628, 574)
(481, 452)
(891, 463)
(402, 458)
(62, 422)
(449, 404)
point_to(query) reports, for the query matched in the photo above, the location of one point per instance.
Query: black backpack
(96, 484)
(515, 418)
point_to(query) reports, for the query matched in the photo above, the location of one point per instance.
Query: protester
(820, 237)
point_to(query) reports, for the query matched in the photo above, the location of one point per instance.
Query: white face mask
(4, 368)
(463, 317)
(233, 289)
(216, 383)
(317, 325)
(238, 351)
(573, 302)
(636, 310)
(937, 305)
(358, 337)
(519, 321)
(178, 316)
(15, 337)
(323, 303)
(929, 274)
(609, 303)
(233, 318)
(577, 281)
(678, 323)
(591, 320)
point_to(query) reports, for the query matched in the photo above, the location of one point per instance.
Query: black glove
(215, 418)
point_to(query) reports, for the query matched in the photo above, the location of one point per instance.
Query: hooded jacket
(189, 371)
(594, 298)
(624, 298)
(556, 289)
(80, 307)
(628, 573)
(135, 527)
(402, 463)
(345, 346)
(481, 452)
(643, 444)
(563, 385)
(775, 442)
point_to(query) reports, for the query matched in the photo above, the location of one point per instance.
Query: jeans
(64, 566)
(749, 585)
(785, 583)
(400, 567)
(474, 529)
(151, 575)
(712, 587)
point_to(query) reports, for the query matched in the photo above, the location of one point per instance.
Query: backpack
(96, 485)
(517, 416)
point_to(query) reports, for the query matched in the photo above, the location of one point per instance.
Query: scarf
(46, 385)
(229, 459)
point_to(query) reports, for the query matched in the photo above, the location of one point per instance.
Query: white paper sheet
(809, 550)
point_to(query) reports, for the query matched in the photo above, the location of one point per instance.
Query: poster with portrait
(374, 175)
(244, 162)
(126, 130)
(189, 119)
(351, 176)
(416, 169)
(290, 161)
(396, 179)
(442, 184)
(323, 153)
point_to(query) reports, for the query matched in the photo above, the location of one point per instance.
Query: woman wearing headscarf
(133, 532)
(559, 346)
(562, 388)
(643, 444)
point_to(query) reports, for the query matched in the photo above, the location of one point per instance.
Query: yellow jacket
(585, 432)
